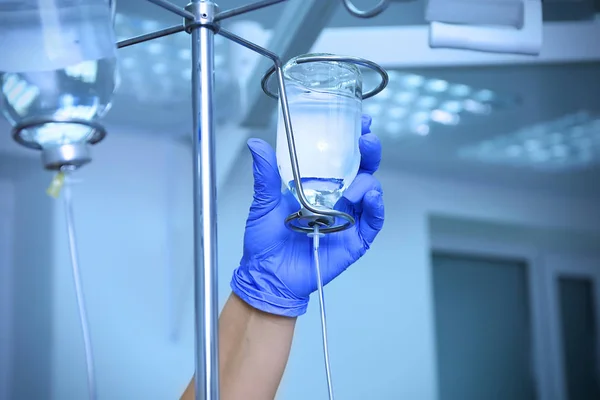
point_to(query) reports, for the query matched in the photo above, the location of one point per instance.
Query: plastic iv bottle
(325, 103)
(58, 61)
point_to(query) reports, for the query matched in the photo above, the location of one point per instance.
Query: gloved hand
(277, 273)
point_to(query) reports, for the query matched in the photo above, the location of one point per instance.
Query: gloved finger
(370, 153)
(371, 219)
(362, 184)
(366, 124)
(267, 182)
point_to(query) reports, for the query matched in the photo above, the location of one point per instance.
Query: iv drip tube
(85, 330)
(316, 235)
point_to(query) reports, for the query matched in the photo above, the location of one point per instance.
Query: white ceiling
(400, 12)
(545, 92)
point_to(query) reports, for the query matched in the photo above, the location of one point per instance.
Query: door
(573, 290)
(483, 323)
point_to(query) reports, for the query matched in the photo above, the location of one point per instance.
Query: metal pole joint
(204, 13)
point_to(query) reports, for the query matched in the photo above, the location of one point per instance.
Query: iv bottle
(325, 103)
(58, 62)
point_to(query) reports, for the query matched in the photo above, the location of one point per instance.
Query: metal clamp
(204, 16)
(304, 221)
(326, 58)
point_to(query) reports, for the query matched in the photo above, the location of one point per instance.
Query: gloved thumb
(267, 183)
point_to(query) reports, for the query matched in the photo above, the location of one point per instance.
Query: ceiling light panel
(413, 104)
(571, 142)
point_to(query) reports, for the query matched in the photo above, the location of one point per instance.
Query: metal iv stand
(201, 20)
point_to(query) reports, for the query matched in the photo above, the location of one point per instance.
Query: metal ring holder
(305, 219)
(264, 83)
(62, 156)
(98, 131)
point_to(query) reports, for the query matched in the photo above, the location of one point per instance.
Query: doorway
(573, 292)
(483, 328)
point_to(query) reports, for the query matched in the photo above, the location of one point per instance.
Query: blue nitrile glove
(277, 273)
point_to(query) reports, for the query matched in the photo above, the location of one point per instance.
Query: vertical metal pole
(205, 204)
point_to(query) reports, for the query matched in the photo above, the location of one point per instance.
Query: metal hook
(378, 9)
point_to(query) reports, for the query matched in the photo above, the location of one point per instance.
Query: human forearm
(253, 351)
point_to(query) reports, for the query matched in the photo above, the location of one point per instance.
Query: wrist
(255, 313)
(262, 290)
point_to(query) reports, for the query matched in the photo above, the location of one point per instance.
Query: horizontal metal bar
(150, 36)
(249, 45)
(173, 8)
(245, 9)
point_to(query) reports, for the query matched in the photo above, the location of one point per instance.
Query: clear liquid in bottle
(326, 132)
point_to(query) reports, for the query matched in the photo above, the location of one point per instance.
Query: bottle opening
(335, 77)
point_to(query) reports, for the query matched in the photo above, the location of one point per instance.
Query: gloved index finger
(366, 124)
(370, 153)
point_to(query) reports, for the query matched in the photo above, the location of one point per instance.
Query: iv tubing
(315, 236)
(89, 356)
